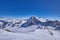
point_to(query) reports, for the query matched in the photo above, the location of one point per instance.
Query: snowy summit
(33, 28)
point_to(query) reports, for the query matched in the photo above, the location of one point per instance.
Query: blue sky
(23, 8)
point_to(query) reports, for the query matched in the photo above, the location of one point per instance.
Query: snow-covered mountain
(36, 28)
(22, 23)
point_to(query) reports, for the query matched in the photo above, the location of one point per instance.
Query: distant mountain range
(32, 21)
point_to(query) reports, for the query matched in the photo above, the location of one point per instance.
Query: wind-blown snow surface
(39, 34)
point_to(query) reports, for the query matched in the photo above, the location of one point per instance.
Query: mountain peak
(38, 18)
(33, 17)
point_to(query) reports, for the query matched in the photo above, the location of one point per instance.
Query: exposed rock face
(29, 22)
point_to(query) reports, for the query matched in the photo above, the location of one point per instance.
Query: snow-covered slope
(18, 23)
(33, 28)
(39, 34)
